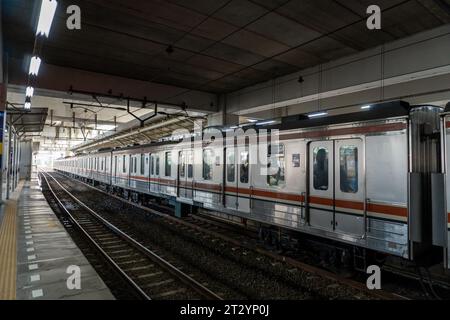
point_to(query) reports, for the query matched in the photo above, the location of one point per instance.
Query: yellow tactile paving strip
(8, 248)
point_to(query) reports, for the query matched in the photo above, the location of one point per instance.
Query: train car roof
(139, 146)
(374, 112)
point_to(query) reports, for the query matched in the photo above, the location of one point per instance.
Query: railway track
(319, 280)
(151, 276)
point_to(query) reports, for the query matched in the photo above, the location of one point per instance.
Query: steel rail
(93, 242)
(167, 266)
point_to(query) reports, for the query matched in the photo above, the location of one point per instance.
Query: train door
(154, 173)
(231, 185)
(130, 169)
(182, 175)
(185, 174)
(321, 184)
(151, 172)
(115, 170)
(336, 185)
(349, 186)
(189, 174)
(243, 180)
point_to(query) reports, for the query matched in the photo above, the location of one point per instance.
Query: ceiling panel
(217, 45)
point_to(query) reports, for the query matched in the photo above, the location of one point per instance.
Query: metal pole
(13, 167)
(19, 153)
(8, 169)
(3, 155)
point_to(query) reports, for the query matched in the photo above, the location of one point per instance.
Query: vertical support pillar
(2, 152)
(14, 166)
(3, 86)
(18, 160)
(8, 168)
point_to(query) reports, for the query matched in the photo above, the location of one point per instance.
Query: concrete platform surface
(48, 260)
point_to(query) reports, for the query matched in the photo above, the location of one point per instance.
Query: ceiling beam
(53, 81)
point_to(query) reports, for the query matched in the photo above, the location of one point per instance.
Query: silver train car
(374, 179)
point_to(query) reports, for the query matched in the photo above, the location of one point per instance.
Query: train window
(190, 165)
(231, 166)
(142, 164)
(182, 165)
(320, 168)
(275, 165)
(135, 164)
(168, 164)
(124, 169)
(208, 160)
(152, 165)
(157, 166)
(244, 166)
(348, 158)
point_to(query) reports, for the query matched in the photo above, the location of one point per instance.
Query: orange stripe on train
(355, 205)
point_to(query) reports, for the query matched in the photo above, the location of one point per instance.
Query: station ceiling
(214, 46)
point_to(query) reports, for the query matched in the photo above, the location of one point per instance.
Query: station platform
(36, 253)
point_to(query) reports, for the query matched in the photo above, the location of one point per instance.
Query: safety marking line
(33, 266)
(29, 243)
(37, 293)
(32, 257)
(29, 237)
(35, 277)
(30, 249)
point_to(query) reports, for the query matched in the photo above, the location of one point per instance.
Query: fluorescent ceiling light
(35, 64)
(366, 107)
(27, 105)
(29, 92)
(48, 9)
(265, 122)
(252, 120)
(105, 127)
(318, 114)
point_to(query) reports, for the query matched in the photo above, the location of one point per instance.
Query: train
(374, 179)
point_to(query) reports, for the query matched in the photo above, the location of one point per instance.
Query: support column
(16, 160)
(8, 170)
(223, 118)
(3, 85)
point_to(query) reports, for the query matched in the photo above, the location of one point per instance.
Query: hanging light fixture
(48, 9)
(35, 64)
(29, 92)
(317, 114)
(27, 105)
